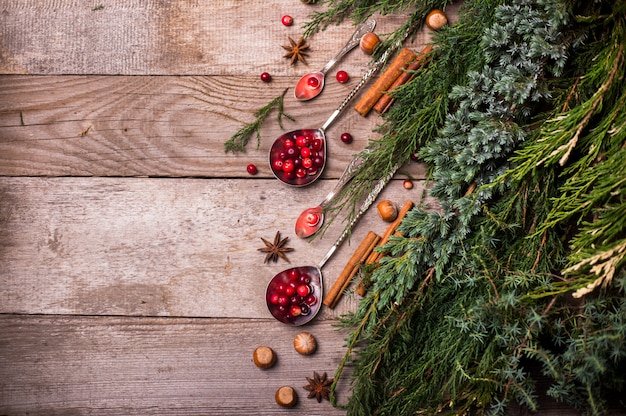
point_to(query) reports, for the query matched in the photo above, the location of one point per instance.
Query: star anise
(276, 249)
(318, 387)
(297, 51)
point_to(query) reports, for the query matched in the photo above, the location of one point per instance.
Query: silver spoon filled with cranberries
(297, 158)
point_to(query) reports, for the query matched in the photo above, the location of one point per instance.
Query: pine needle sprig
(472, 293)
(238, 141)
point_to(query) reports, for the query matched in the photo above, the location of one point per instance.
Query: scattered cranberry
(408, 184)
(287, 20)
(251, 168)
(346, 138)
(342, 77)
(266, 77)
(415, 157)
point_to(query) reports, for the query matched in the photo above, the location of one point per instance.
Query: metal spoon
(301, 176)
(311, 85)
(311, 219)
(312, 275)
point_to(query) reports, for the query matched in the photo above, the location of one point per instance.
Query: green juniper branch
(237, 142)
(507, 85)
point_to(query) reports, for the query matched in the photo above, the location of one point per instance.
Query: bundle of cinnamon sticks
(400, 71)
(364, 254)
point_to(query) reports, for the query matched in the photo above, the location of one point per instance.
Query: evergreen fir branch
(237, 142)
(473, 292)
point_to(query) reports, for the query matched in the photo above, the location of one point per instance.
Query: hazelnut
(368, 43)
(264, 357)
(436, 19)
(387, 210)
(286, 396)
(305, 343)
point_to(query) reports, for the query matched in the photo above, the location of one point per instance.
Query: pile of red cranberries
(291, 296)
(297, 156)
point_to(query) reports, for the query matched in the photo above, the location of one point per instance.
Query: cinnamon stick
(335, 292)
(384, 81)
(386, 100)
(375, 256)
(353, 271)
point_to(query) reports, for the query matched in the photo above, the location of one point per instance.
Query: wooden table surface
(130, 281)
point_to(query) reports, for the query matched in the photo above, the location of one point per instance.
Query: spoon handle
(358, 86)
(364, 28)
(371, 197)
(345, 177)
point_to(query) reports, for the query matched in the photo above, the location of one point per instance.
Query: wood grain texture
(139, 366)
(159, 247)
(158, 126)
(153, 37)
(130, 281)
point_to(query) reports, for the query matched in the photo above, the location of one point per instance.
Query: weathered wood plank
(152, 37)
(54, 365)
(158, 126)
(64, 365)
(159, 247)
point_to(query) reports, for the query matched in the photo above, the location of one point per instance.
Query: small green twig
(237, 143)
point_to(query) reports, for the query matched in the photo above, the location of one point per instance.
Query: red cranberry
(289, 143)
(342, 77)
(277, 164)
(251, 168)
(408, 184)
(317, 144)
(310, 300)
(303, 290)
(294, 274)
(305, 309)
(296, 310)
(287, 20)
(289, 291)
(288, 165)
(274, 299)
(283, 300)
(302, 141)
(307, 163)
(266, 77)
(305, 152)
(346, 138)
(313, 82)
(318, 161)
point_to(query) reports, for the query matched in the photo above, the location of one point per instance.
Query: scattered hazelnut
(286, 396)
(387, 210)
(436, 19)
(305, 343)
(264, 357)
(368, 42)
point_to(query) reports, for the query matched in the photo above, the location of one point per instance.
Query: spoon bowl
(311, 219)
(294, 308)
(311, 85)
(291, 163)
